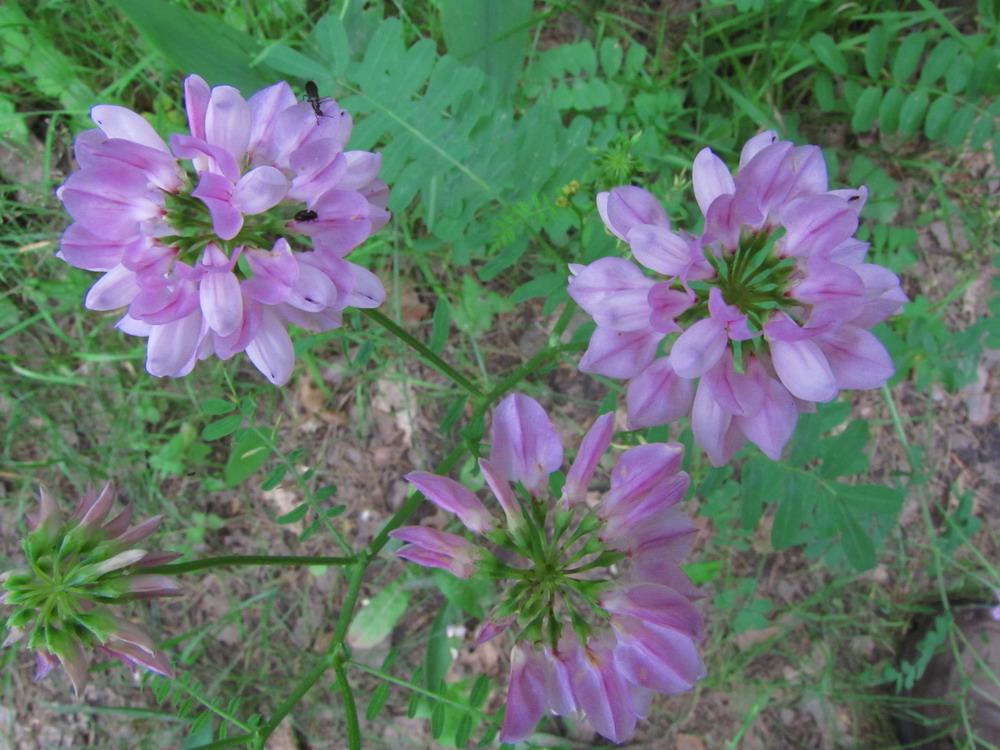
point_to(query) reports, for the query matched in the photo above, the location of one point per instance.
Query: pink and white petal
(666, 305)
(274, 273)
(259, 190)
(265, 106)
(659, 249)
(362, 169)
(757, 144)
(601, 692)
(737, 393)
(614, 291)
(526, 694)
(503, 492)
(697, 350)
(620, 354)
(594, 446)
(804, 370)
(221, 302)
(856, 197)
(856, 357)
(809, 167)
(215, 191)
(110, 200)
(122, 122)
(81, 248)
(658, 395)
(271, 350)
(117, 288)
(367, 290)
(196, 96)
(172, 347)
(711, 178)
(629, 206)
(773, 424)
(816, 224)
(710, 424)
(526, 447)
(227, 121)
(453, 497)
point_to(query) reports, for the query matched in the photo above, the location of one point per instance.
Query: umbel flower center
(754, 277)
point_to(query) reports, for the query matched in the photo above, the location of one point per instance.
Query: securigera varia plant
(597, 605)
(200, 240)
(769, 308)
(77, 567)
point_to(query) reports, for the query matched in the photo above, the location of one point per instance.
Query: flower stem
(430, 357)
(350, 707)
(229, 560)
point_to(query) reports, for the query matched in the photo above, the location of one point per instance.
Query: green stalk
(350, 708)
(430, 357)
(230, 560)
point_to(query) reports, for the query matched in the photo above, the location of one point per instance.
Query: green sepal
(21, 618)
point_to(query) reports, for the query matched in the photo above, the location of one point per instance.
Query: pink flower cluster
(199, 256)
(768, 309)
(591, 641)
(77, 566)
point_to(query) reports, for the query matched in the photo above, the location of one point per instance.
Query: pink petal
(216, 192)
(121, 122)
(503, 492)
(259, 189)
(172, 347)
(629, 206)
(856, 357)
(757, 144)
(659, 249)
(271, 349)
(595, 444)
(804, 370)
(711, 178)
(196, 96)
(117, 288)
(658, 395)
(772, 426)
(614, 292)
(620, 354)
(699, 348)
(451, 496)
(227, 121)
(526, 696)
(526, 447)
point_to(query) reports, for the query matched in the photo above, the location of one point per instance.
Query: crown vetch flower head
(600, 612)
(77, 566)
(768, 309)
(193, 237)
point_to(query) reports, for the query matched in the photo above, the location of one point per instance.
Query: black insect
(306, 214)
(312, 96)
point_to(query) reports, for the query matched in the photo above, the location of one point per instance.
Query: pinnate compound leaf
(489, 35)
(876, 48)
(938, 115)
(247, 454)
(222, 427)
(866, 109)
(379, 696)
(959, 73)
(938, 61)
(911, 115)
(216, 406)
(889, 110)
(828, 53)
(908, 56)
